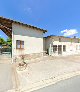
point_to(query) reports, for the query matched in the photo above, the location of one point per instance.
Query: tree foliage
(8, 42)
(2, 41)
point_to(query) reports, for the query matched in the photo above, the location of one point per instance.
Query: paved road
(5, 77)
(70, 85)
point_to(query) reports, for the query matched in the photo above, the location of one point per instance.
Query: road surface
(5, 77)
(69, 85)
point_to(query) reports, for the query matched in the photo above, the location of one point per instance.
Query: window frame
(64, 48)
(19, 44)
(55, 48)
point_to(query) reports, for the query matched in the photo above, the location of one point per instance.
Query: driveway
(39, 73)
(5, 77)
(5, 73)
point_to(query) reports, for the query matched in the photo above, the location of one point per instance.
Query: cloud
(69, 32)
(64, 31)
(28, 10)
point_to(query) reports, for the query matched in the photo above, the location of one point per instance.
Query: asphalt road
(69, 85)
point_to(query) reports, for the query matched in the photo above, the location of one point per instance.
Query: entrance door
(59, 49)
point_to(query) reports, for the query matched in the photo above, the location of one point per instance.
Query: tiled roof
(9, 22)
(61, 37)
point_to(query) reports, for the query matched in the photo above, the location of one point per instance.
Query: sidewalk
(8, 74)
(5, 77)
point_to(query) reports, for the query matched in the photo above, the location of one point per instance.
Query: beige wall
(33, 39)
(71, 48)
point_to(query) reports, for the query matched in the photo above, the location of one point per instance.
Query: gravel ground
(41, 69)
(48, 67)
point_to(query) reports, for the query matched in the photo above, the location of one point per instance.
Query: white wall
(71, 48)
(44, 47)
(33, 39)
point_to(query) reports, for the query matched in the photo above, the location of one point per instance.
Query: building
(26, 39)
(60, 45)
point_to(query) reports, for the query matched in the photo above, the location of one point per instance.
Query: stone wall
(27, 57)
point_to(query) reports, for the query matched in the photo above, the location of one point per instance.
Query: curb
(48, 82)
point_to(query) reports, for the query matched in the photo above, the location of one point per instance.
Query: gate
(6, 51)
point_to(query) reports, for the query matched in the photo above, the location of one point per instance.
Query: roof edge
(14, 21)
(60, 36)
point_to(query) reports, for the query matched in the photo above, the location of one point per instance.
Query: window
(54, 48)
(59, 39)
(64, 48)
(19, 44)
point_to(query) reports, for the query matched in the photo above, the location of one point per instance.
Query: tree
(9, 41)
(2, 41)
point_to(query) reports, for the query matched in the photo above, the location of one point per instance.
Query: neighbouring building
(60, 45)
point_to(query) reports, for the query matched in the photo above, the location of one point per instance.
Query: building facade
(26, 40)
(59, 45)
(29, 40)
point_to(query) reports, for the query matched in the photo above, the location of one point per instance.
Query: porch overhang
(6, 26)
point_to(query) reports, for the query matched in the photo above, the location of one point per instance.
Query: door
(59, 49)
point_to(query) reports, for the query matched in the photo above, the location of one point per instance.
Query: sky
(59, 17)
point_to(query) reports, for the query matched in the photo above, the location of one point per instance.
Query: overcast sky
(59, 17)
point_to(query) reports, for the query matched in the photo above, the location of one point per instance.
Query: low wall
(27, 57)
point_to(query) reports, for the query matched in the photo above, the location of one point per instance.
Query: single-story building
(60, 45)
(26, 39)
